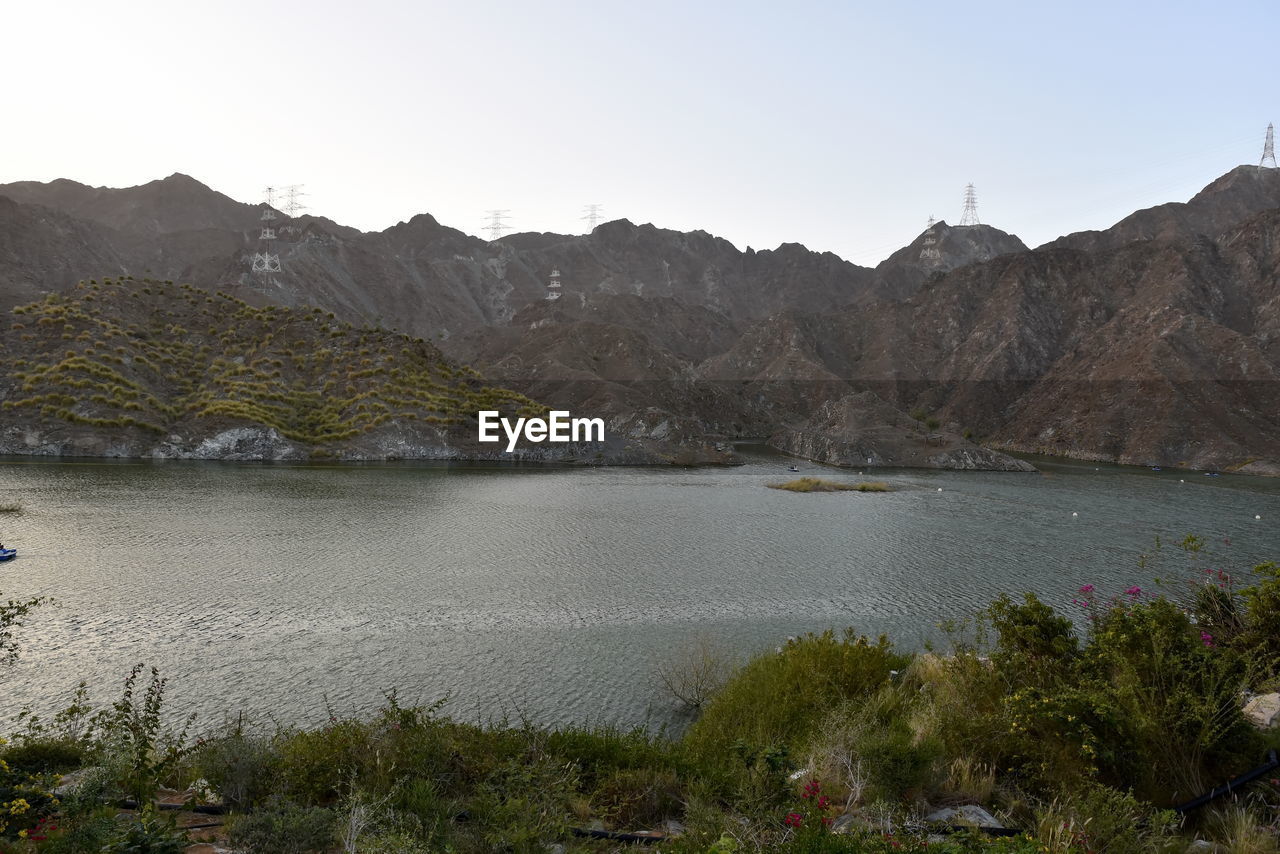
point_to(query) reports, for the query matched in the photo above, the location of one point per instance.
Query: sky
(839, 125)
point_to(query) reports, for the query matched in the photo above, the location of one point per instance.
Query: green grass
(816, 484)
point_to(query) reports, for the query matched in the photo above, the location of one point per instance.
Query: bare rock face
(861, 430)
(938, 249)
(1156, 341)
(419, 276)
(1236, 196)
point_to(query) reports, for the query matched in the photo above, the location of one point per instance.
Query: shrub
(777, 699)
(45, 755)
(133, 733)
(240, 766)
(695, 674)
(285, 830)
(148, 833)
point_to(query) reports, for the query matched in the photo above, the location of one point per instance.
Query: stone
(967, 814)
(1263, 711)
(69, 782)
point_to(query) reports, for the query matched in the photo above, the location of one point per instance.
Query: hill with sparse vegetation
(143, 365)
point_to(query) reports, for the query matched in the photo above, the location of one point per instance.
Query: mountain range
(1154, 342)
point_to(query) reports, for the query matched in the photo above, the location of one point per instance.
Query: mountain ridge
(1120, 344)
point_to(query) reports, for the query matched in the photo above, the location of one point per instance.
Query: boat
(794, 468)
(8, 554)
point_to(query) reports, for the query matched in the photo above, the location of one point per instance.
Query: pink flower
(1206, 639)
(1134, 591)
(1088, 588)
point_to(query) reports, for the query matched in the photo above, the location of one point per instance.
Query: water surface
(545, 592)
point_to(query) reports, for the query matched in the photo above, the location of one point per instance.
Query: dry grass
(1240, 831)
(817, 484)
(10, 506)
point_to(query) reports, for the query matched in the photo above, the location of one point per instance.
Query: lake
(547, 593)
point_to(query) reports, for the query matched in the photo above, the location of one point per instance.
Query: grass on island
(817, 484)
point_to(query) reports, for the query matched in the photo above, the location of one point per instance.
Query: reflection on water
(550, 593)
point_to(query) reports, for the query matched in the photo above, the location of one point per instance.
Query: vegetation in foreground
(1079, 729)
(817, 484)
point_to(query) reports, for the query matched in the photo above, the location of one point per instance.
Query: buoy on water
(939, 488)
(1074, 514)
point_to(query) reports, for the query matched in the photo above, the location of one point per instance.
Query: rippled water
(548, 593)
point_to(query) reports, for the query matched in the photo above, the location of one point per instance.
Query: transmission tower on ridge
(497, 223)
(292, 206)
(970, 215)
(929, 254)
(553, 287)
(1269, 148)
(265, 260)
(593, 215)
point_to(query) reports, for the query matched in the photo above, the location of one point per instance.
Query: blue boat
(8, 554)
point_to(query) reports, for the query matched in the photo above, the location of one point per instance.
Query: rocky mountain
(1152, 342)
(420, 276)
(40, 246)
(176, 203)
(861, 430)
(142, 368)
(1242, 192)
(1161, 352)
(938, 249)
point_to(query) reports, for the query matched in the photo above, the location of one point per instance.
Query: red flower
(793, 819)
(823, 802)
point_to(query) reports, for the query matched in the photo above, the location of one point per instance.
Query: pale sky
(842, 126)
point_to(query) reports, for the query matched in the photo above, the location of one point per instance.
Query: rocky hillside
(863, 431)
(1237, 195)
(1152, 342)
(938, 249)
(127, 367)
(419, 276)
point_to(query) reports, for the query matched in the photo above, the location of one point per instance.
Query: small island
(817, 484)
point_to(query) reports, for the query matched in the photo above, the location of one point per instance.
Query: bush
(148, 833)
(1259, 638)
(1098, 818)
(778, 699)
(241, 767)
(38, 756)
(285, 830)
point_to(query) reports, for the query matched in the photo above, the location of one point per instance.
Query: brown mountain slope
(1227, 201)
(176, 203)
(940, 248)
(40, 246)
